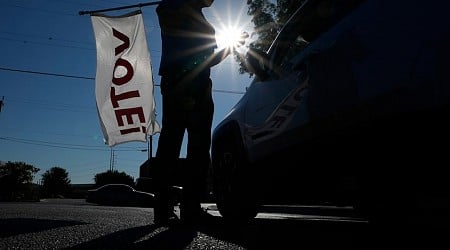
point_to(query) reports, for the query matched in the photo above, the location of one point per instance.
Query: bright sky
(49, 120)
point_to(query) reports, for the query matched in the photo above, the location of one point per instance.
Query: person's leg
(162, 208)
(167, 155)
(198, 156)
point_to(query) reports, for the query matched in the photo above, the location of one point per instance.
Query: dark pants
(190, 108)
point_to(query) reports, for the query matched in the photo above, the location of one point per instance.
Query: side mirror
(257, 62)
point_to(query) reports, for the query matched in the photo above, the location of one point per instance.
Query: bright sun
(228, 37)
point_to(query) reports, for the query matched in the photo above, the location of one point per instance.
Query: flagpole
(139, 5)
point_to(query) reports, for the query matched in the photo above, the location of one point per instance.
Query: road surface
(75, 224)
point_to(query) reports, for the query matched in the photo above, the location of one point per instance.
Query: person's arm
(223, 53)
(219, 56)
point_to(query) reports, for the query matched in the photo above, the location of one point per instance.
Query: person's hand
(241, 41)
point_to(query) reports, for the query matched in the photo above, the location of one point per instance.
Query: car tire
(234, 191)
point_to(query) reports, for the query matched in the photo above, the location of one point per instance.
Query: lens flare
(230, 37)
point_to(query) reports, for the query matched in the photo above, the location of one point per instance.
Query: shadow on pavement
(144, 237)
(289, 234)
(262, 233)
(15, 226)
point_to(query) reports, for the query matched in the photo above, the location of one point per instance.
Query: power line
(55, 106)
(51, 39)
(63, 145)
(47, 73)
(53, 144)
(41, 10)
(93, 78)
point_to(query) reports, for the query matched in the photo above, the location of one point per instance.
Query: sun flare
(229, 37)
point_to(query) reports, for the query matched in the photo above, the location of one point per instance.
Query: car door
(281, 103)
(277, 103)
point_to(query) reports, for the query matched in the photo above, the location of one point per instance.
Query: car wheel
(234, 189)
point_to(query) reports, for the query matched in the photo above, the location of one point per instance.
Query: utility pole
(150, 146)
(113, 156)
(111, 160)
(2, 102)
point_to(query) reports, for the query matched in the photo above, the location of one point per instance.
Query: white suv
(349, 106)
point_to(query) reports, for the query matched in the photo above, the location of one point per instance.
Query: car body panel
(371, 88)
(119, 195)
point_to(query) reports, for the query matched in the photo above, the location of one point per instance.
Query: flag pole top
(139, 5)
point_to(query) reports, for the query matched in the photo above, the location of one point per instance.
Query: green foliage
(16, 181)
(263, 15)
(285, 9)
(55, 182)
(113, 177)
(268, 19)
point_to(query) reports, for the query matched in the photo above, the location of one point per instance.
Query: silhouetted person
(188, 53)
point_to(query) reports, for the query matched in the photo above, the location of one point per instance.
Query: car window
(115, 188)
(106, 188)
(307, 24)
(292, 50)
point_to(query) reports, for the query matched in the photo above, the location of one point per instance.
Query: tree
(16, 180)
(268, 19)
(263, 15)
(110, 177)
(55, 182)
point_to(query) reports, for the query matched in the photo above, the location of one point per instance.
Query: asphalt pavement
(75, 224)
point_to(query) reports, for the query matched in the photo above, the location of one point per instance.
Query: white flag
(124, 79)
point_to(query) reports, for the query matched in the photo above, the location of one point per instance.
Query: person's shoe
(170, 219)
(199, 217)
